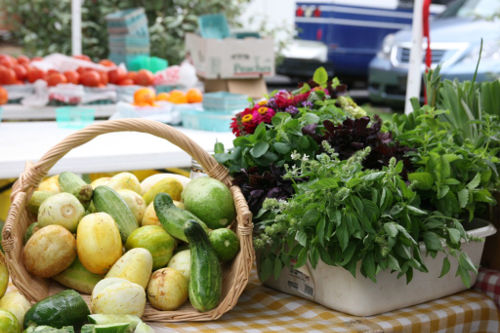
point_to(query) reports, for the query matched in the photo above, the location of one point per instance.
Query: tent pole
(76, 27)
(414, 80)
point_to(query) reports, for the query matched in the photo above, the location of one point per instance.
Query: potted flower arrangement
(332, 186)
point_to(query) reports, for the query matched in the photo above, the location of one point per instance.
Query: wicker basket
(235, 275)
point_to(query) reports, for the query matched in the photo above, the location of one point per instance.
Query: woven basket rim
(35, 288)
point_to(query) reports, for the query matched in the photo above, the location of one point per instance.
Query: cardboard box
(255, 88)
(231, 58)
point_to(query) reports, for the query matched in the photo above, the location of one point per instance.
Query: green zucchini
(62, 309)
(173, 218)
(78, 277)
(71, 183)
(36, 200)
(205, 282)
(109, 201)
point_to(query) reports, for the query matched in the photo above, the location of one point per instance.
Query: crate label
(300, 281)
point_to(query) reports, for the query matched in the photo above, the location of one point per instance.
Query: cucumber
(71, 183)
(36, 200)
(48, 329)
(107, 328)
(205, 282)
(144, 328)
(225, 243)
(109, 201)
(78, 277)
(62, 309)
(102, 319)
(32, 228)
(173, 218)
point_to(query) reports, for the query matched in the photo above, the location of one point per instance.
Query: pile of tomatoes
(20, 71)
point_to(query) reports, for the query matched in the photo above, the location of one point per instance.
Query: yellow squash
(98, 242)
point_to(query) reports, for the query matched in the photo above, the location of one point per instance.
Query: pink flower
(283, 99)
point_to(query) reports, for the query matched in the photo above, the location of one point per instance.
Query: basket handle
(33, 174)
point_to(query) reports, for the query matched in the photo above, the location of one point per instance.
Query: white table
(28, 141)
(20, 112)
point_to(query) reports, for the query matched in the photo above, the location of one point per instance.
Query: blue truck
(343, 35)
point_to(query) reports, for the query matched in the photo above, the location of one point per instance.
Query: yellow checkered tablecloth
(261, 309)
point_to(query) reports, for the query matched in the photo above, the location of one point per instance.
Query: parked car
(455, 41)
(344, 35)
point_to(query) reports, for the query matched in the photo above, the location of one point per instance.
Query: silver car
(455, 42)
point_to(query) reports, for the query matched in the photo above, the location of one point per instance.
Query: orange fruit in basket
(177, 97)
(163, 96)
(144, 97)
(4, 97)
(194, 95)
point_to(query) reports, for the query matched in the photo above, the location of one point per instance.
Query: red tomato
(90, 78)
(82, 57)
(35, 74)
(72, 77)
(131, 75)
(107, 63)
(21, 72)
(56, 78)
(80, 70)
(117, 75)
(7, 75)
(36, 59)
(104, 77)
(52, 71)
(7, 60)
(144, 78)
(22, 59)
(126, 82)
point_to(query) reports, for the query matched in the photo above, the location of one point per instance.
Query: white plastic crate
(335, 287)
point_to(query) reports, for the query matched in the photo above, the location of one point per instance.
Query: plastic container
(128, 40)
(241, 34)
(74, 117)
(213, 121)
(153, 64)
(213, 26)
(119, 58)
(129, 21)
(224, 101)
(335, 287)
(166, 88)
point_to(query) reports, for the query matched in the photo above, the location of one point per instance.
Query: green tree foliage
(44, 26)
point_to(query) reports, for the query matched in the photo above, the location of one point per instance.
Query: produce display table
(261, 309)
(19, 112)
(488, 282)
(28, 141)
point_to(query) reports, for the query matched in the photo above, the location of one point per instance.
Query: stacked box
(128, 35)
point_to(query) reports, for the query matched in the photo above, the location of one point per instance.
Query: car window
(481, 8)
(472, 8)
